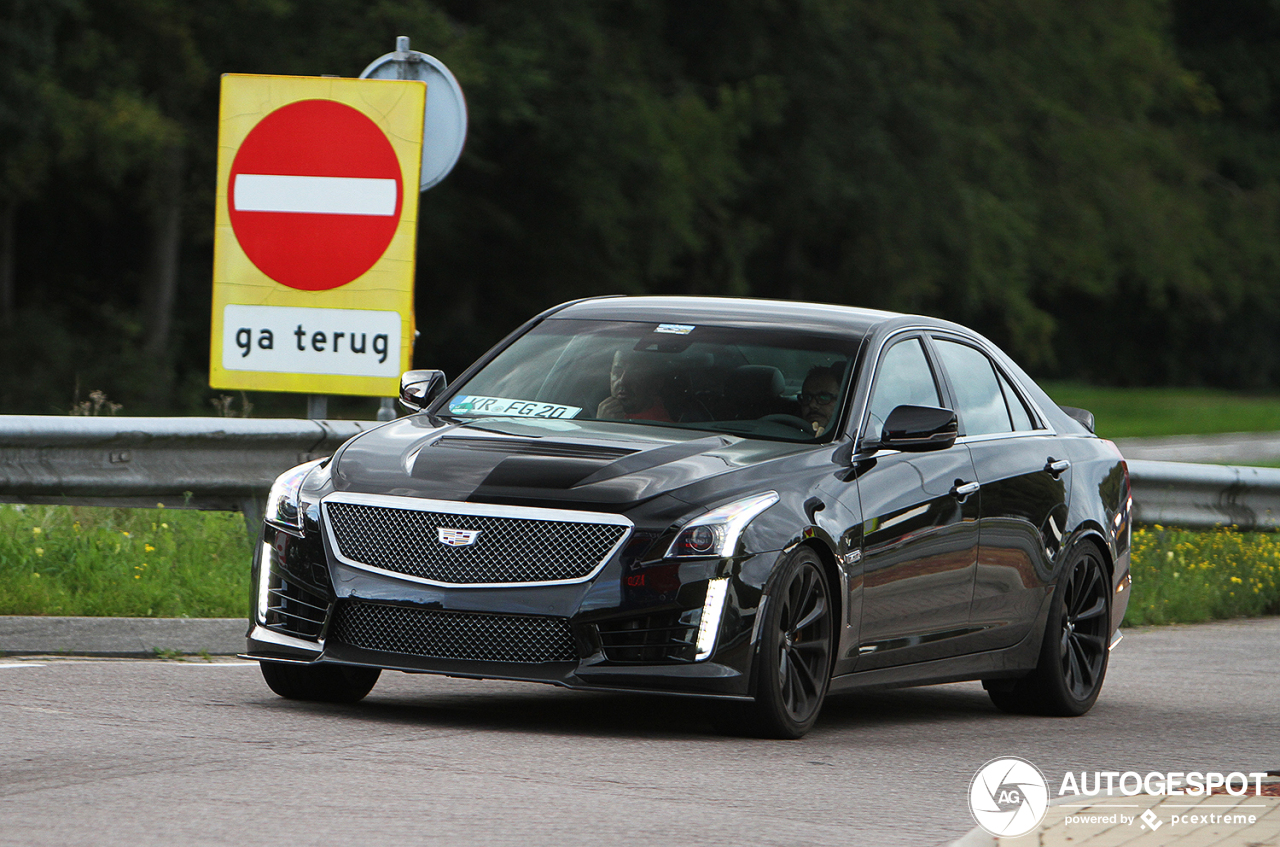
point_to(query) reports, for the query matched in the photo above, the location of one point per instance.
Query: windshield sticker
(471, 404)
(675, 329)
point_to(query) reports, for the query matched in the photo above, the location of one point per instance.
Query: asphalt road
(109, 752)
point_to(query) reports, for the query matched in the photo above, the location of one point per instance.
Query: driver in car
(818, 397)
(633, 390)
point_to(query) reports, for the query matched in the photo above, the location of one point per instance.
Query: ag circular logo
(1008, 797)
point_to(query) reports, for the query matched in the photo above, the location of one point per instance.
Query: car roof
(794, 315)
(740, 310)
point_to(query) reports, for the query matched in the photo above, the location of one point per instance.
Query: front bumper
(633, 626)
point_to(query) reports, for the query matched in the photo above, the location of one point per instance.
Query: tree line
(1094, 185)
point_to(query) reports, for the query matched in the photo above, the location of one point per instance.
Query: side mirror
(916, 429)
(419, 388)
(1081, 416)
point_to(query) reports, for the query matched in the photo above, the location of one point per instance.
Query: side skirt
(1005, 663)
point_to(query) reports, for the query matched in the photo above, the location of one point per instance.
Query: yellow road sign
(315, 233)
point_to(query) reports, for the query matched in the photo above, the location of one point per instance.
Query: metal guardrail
(230, 463)
(187, 463)
(1205, 496)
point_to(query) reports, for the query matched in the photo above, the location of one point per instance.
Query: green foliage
(1095, 185)
(1139, 412)
(57, 560)
(1180, 576)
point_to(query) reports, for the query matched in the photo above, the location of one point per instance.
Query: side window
(1017, 409)
(979, 399)
(904, 379)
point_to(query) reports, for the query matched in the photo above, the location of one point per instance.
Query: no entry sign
(315, 233)
(314, 194)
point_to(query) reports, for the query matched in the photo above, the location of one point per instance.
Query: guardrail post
(252, 509)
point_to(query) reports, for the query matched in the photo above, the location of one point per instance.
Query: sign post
(444, 129)
(315, 234)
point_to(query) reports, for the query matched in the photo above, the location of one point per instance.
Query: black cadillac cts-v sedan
(762, 502)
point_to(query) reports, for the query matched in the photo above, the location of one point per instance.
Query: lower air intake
(657, 639)
(465, 636)
(299, 592)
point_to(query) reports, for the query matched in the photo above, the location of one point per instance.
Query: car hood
(593, 464)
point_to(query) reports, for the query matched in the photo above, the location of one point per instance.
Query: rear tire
(1073, 658)
(320, 683)
(793, 664)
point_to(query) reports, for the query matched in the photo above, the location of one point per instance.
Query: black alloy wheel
(1073, 657)
(794, 660)
(320, 683)
(1082, 650)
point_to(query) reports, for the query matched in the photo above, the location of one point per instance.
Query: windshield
(764, 383)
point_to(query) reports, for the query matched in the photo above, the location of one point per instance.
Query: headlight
(716, 533)
(282, 502)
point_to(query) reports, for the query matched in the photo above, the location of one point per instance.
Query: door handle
(1056, 467)
(962, 490)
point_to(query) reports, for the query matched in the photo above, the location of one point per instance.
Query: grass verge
(1183, 576)
(1140, 412)
(60, 560)
(163, 563)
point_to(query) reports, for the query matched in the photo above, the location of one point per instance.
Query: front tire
(793, 665)
(320, 683)
(1074, 655)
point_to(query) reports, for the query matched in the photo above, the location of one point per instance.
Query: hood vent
(533, 447)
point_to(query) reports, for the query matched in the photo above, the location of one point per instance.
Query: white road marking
(316, 195)
(44, 711)
(193, 662)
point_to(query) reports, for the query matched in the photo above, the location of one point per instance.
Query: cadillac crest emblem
(457, 537)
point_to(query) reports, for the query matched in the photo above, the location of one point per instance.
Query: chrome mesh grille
(467, 636)
(506, 550)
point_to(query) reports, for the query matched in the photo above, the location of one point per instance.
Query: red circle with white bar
(315, 194)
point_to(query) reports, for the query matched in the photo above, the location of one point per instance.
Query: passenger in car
(633, 390)
(818, 396)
